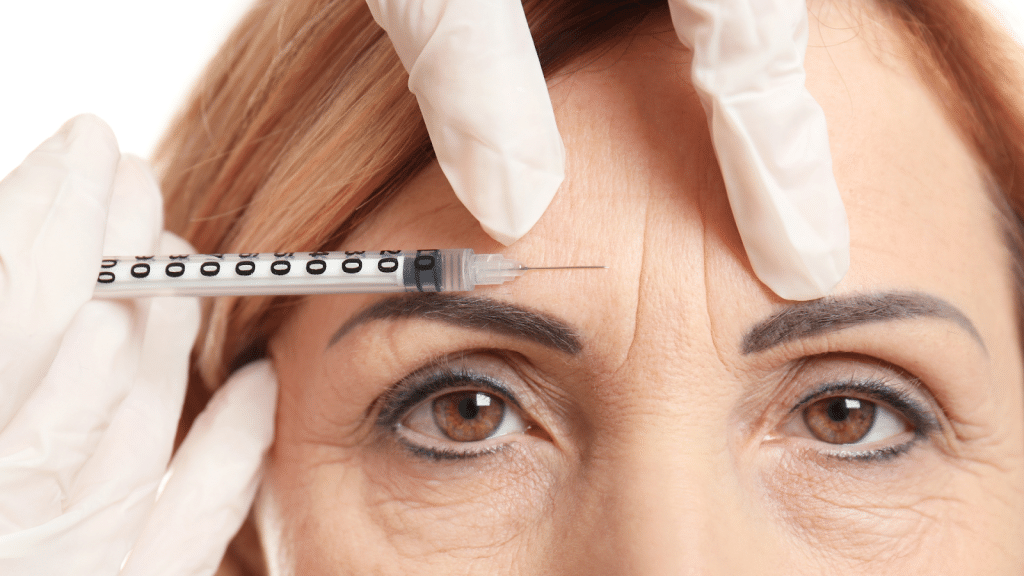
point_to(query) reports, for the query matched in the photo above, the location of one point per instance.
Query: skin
(661, 447)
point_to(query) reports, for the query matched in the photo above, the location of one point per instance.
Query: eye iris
(468, 416)
(840, 420)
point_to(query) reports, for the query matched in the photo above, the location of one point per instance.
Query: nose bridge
(666, 492)
(670, 498)
(646, 506)
(662, 492)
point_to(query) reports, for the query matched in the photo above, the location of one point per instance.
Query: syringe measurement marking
(352, 264)
(318, 272)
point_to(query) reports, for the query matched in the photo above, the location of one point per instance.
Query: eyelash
(421, 385)
(878, 391)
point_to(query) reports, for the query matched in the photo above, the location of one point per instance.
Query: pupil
(468, 408)
(837, 410)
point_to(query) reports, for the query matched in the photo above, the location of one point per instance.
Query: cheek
(365, 511)
(879, 518)
(437, 506)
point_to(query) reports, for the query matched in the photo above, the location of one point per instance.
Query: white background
(132, 62)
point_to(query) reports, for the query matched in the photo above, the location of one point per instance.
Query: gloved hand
(770, 137)
(474, 70)
(93, 389)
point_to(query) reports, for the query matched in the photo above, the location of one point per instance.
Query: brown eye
(468, 416)
(840, 420)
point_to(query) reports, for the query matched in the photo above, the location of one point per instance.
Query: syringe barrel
(438, 271)
(285, 273)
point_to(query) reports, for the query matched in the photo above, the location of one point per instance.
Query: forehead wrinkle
(807, 319)
(713, 199)
(642, 275)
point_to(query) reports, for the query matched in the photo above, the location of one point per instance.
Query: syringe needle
(561, 267)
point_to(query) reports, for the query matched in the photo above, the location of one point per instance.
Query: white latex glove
(474, 70)
(770, 137)
(93, 389)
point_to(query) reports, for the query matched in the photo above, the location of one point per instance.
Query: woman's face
(660, 416)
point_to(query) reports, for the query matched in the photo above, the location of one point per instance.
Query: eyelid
(877, 389)
(429, 380)
(921, 419)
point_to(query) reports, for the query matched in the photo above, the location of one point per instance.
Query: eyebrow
(807, 319)
(472, 312)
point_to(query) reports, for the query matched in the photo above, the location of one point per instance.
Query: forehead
(643, 195)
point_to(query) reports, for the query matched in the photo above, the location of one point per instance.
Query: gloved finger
(136, 214)
(129, 461)
(125, 453)
(212, 480)
(771, 139)
(139, 440)
(52, 435)
(59, 426)
(53, 210)
(474, 70)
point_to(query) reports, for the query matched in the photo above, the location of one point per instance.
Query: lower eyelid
(878, 455)
(434, 450)
(447, 454)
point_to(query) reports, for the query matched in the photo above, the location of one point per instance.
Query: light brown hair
(302, 125)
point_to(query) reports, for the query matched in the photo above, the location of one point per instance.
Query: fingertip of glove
(84, 151)
(87, 125)
(799, 290)
(135, 172)
(261, 380)
(506, 238)
(212, 479)
(89, 137)
(521, 205)
(818, 279)
(84, 147)
(171, 243)
(252, 392)
(135, 216)
(522, 213)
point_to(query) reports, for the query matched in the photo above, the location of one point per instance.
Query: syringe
(305, 273)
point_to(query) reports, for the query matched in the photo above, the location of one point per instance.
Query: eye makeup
(411, 391)
(922, 422)
(425, 382)
(893, 406)
(441, 454)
